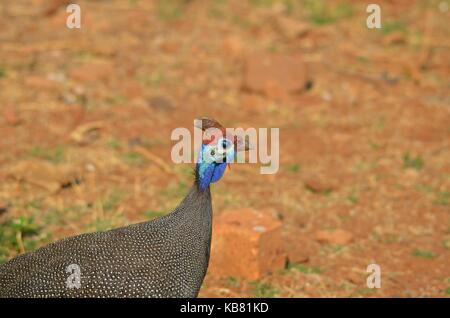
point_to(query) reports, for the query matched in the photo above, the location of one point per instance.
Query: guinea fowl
(165, 257)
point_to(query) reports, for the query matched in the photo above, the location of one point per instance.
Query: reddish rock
(11, 116)
(170, 47)
(318, 184)
(40, 83)
(395, 38)
(291, 28)
(161, 102)
(246, 243)
(54, 5)
(355, 277)
(132, 89)
(300, 247)
(334, 237)
(92, 72)
(273, 74)
(87, 133)
(253, 102)
(233, 46)
(44, 174)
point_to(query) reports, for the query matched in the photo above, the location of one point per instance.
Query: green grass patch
(443, 198)
(113, 143)
(84, 55)
(294, 168)
(289, 5)
(423, 254)
(176, 191)
(303, 268)
(170, 10)
(362, 59)
(18, 233)
(153, 79)
(133, 158)
(263, 3)
(353, 198)
(363, 291)
(54, 155)
(110, 219)
(393, 26)
(380, 123)
(153, 214)
(320, 12)
(240, 21)
(263, 290)
(333, 248)
(217, 9)
(374, 145)
(232, 281)
(62, 216)
(116, 100)
(446, 244)
(100, 225)
(410, 162)
(2, 72)
(112, 200)
(35, 204)
(424, 188)
(391, 238)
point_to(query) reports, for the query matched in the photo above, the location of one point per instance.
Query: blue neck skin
(208, 170)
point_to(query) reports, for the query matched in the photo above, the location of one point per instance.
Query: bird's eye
(225, 144)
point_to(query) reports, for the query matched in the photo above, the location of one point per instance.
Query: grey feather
(165, 257)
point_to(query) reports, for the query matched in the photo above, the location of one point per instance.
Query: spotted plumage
(165, 257)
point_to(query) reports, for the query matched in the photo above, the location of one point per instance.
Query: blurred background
(364, 117)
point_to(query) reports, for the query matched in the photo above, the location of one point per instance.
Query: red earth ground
(364, 118)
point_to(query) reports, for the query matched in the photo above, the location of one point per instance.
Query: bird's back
(166, 257)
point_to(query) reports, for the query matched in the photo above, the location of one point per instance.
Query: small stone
(246, 243)
(4, 207)
(291, 28)
(275, 74)
(233, 46)
(253, 102)
(133, 89)
(318, 185)
(11, 116)
(410, 176)
(87, 132)
(161, 103)
(170, 47)
(89, 167)
(299, 247)
(355, 278)
(92, 72)
(395, 38)
(41, 83)
(53, 6)
(334, 237)
(44, 174)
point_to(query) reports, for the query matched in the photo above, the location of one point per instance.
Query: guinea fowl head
(218, 150)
